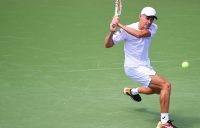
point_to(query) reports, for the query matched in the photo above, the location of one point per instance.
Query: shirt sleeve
(119, 36)
(153, 29)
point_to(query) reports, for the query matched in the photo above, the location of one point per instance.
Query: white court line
(95, 69)
(161, 61)
(104, 69)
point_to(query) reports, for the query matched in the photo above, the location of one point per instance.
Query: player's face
(146, 21)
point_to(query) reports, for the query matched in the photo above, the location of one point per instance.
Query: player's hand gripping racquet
(115, 20)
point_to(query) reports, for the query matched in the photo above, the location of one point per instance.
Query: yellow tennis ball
(185, 64)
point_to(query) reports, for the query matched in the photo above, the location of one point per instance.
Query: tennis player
(137, 39)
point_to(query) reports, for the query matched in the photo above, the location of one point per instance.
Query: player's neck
(142, 27)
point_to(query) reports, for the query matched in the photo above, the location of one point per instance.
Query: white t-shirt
(136, 49)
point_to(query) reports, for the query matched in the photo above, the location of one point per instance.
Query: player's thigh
(158, 81)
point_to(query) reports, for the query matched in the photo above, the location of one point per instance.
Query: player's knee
(167, 85)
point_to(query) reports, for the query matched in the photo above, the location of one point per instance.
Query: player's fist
(114, 23)
(115, 20)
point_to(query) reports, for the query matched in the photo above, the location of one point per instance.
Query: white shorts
(140, 74)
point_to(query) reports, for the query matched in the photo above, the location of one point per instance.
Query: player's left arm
(134, 32)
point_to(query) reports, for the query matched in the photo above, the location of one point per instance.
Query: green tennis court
(55, 72)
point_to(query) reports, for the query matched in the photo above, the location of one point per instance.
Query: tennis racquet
(118, 8)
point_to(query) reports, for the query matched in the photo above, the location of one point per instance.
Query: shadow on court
(180, 121)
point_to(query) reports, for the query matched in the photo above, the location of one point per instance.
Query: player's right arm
(134, 32)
